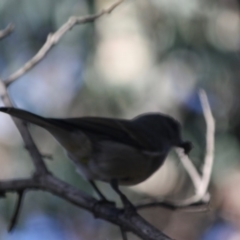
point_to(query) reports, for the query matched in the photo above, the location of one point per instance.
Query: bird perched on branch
(117, 151)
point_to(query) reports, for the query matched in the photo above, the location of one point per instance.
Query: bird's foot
(128, 207)
(106, 202)
(102, 203)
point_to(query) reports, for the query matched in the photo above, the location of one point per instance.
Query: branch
(54, 38)
(207, 167)
(16, 211)
(189, 167)
(40, 167)
(201, 183)
(6, 31)
(128, 221)
(174, 205)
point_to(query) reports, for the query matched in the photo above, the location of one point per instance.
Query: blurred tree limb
(129, 221)
(6, 31)
(54, 38)
(42, 179)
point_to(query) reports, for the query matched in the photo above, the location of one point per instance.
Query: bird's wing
(117, 130)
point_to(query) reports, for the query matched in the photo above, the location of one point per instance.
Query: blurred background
(147, 56)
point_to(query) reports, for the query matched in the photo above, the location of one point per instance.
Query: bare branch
(208, 161)
(124, 234)
(6, 31)
(16, 211)
(201, 183)
(37, 159)
(190, 168)
(54, 38)
(128, 221)
(174, 205)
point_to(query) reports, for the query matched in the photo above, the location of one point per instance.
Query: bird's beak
(187, 146)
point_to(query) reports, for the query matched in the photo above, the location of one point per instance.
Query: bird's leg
(102, 197)
(97, 190)
(126, 203)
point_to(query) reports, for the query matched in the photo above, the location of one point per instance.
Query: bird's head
(164, 131)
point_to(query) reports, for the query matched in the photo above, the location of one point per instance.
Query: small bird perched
(117, 151)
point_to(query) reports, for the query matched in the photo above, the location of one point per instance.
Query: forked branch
(200, 182)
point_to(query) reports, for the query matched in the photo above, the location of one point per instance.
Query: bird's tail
(28, 117)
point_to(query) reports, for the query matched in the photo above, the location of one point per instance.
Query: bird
(112, 150)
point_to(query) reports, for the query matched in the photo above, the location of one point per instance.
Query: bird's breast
(124, 163)
(107, 160)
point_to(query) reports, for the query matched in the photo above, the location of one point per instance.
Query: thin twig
(189, 167)
(6, 31)
(16, 211)
(123, 233)
(208, 162)
(54, 38)
(172, 205)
